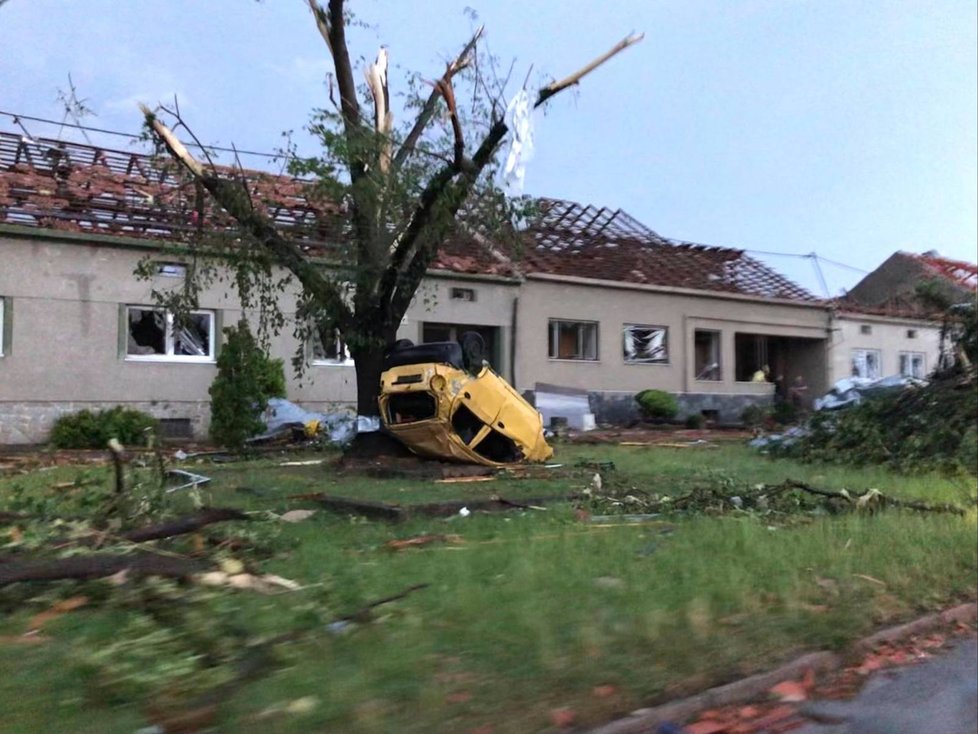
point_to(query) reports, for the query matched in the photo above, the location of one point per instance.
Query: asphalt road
(937, 696)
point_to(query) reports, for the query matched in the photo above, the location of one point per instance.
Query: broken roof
(571, 239)
(76, 187)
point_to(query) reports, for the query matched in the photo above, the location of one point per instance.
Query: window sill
(164, 359)
(573, 360)
(647, 364)
(327, 363)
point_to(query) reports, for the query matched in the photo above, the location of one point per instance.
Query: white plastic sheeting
(852, 390)
(341, 427)
(519, 120)
(570, 405)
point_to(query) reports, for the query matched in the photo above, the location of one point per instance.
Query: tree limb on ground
(98, 566)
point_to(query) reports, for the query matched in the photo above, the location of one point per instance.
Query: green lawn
(532, 611)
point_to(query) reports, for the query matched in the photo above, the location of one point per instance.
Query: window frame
(910, 355)
(340, 346)
(553, 328)
(169, 338)
(879, 362)
(718, 335)
(665, 344)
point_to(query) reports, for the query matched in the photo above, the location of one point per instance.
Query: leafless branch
(554, 87)
(431, 104)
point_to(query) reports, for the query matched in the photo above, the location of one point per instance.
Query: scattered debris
(396, 513)
(420, 541)
(265, 584)
(464, 480)
(296, 515)
(310, 462)
(191, 480)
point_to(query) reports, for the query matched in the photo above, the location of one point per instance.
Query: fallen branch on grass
(870, 498)
(97, 566)
(365, 613)
(184, 525)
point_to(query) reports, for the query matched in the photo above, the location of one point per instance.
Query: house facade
(590, 300)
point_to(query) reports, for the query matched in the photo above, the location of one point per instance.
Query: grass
(533, 611)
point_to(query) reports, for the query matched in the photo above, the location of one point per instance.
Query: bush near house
(246, 379)
(657, 405)
(92, 430)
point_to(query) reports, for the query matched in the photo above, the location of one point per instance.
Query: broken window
(333, 352)
(410, 407)
(155, 334)
(912, 364)
(465, 424)
(497, 447)
(866, 363)
(706, 354)
(573, 340)
(644, 344)
(752, 353)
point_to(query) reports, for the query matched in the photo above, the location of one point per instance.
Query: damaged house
(881, 328)
(592, 301)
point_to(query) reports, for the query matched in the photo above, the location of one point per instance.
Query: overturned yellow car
(446, 403)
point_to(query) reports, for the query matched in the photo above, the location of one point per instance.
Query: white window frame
(3, 335)
(909, 357)
(626, 328)
(339, 347)
(553, 337)
(170, 341)
(859, 355)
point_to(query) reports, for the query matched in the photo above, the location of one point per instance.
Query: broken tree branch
(376, 75)
(322, 23)
(229, 196)
(554, 87)
(97, 566)
(184, 525)
(431, 104)
(409, 262)
(363, 614)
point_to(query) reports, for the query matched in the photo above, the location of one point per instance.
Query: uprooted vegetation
(290, 617)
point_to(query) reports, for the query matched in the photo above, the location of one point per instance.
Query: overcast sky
(848, 128)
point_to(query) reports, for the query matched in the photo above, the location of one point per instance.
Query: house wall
(63, 349)
(613, 383)
(889, 337)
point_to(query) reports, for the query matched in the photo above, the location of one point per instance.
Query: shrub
(754, 416)
(88, 430)
(246, 379)
(695, 421)
(657, 404)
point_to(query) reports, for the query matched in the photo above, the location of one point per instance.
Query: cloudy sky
(847, 128)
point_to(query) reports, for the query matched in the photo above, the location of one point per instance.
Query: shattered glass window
(333, 352)
(912, 364)
(644, 344)
(154, 334)
(866, 363)
(573, 340)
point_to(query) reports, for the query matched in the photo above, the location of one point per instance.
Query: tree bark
(97, 566)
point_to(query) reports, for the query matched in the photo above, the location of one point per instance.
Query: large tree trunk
(368, 361)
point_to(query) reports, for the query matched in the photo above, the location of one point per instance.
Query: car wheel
(473, 351)
(402, 344)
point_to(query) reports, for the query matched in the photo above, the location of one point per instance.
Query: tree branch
(554, 87)
(236, 202)
(322, 23)
(376, 75)
(344, 69)
(431, 104)
(409, 261)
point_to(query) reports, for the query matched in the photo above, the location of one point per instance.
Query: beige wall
(64, 342)
(889, 337)
(682, 313)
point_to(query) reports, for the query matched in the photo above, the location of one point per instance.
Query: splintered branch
(444, 86)
(409, 260)
(431, 104)
(237, 203)
(97, 566)
(376, 75)
(322, 22)
(554, 87)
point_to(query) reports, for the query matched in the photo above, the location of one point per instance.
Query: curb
(644, 721)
